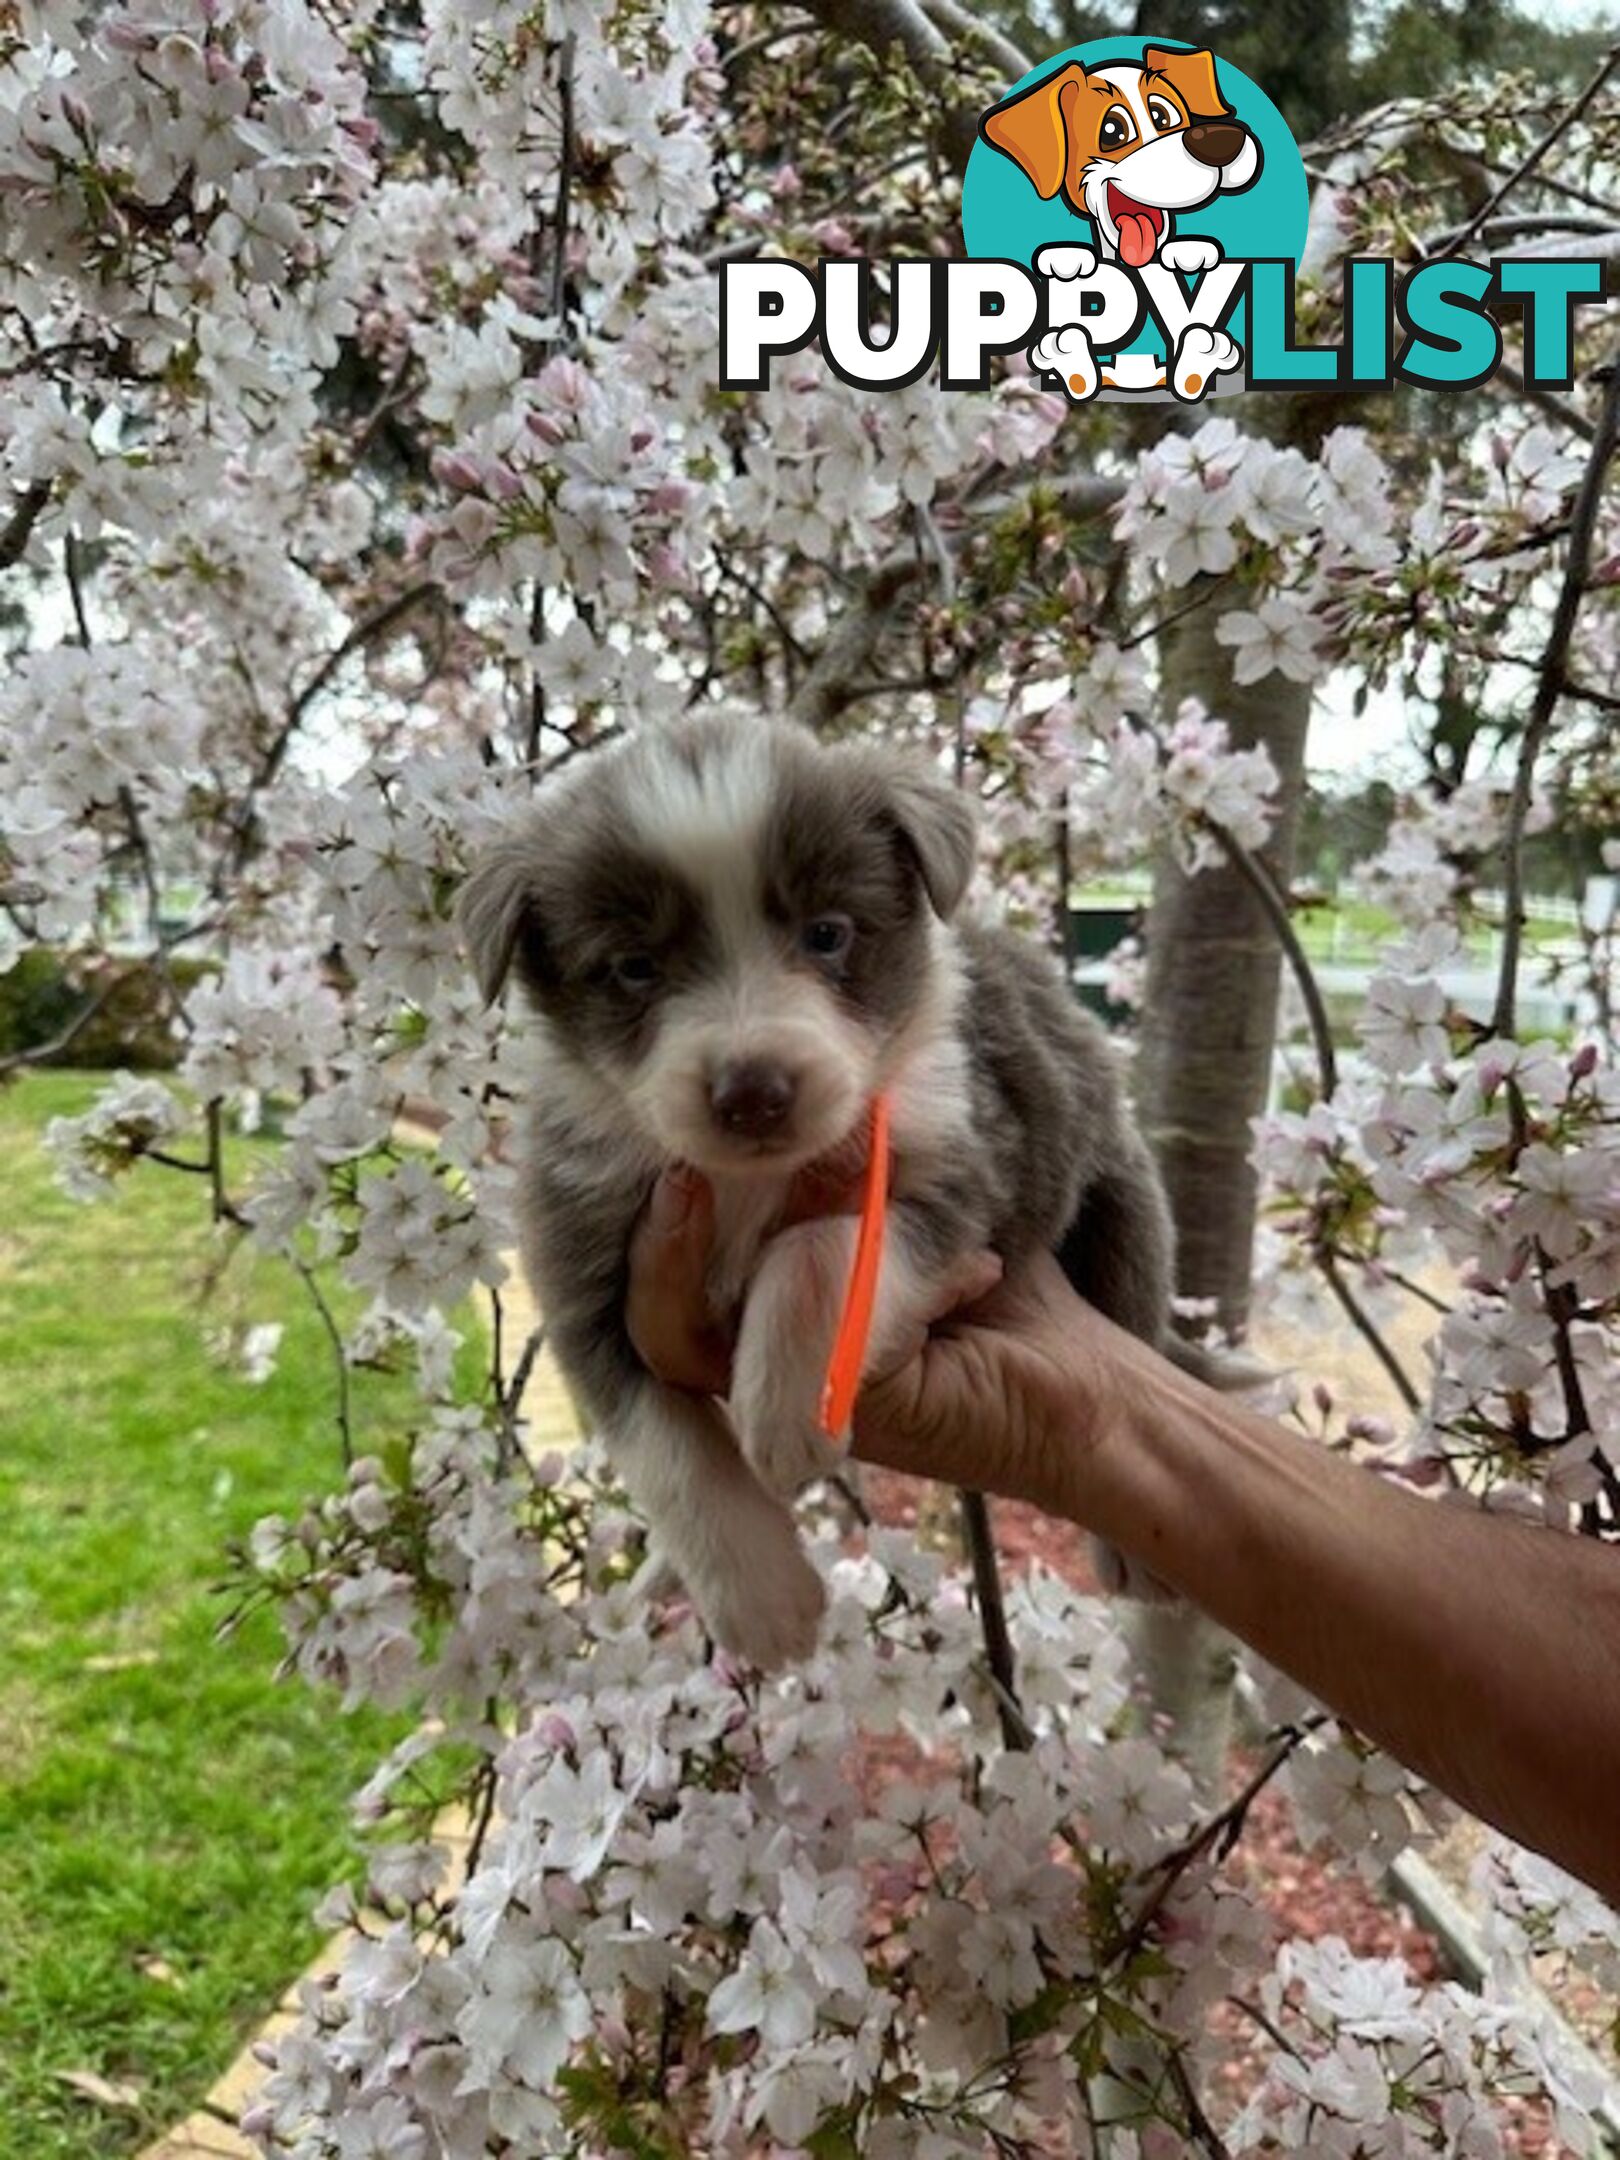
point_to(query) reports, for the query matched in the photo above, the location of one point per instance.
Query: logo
(1135, 213)
(1138, 181)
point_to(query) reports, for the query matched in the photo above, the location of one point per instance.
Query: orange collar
(860, 1295)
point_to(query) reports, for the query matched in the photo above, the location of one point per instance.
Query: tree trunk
(1209, 1022)
(1209, 1028)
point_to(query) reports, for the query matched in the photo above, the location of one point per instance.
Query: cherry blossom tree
(365, 460)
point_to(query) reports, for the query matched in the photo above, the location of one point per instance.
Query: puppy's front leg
(788, 1325)
(735, 1547)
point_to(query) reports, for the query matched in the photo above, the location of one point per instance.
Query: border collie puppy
(733, 936)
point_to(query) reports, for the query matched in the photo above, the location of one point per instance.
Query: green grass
(1348, 928)
(161, 1798)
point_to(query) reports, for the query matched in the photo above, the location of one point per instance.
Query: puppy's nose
(751, 1100)
(1214, 142)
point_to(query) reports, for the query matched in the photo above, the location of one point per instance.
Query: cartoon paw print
(1190, 258)
(1200, 357)
(1067, 353)
(1064, 262)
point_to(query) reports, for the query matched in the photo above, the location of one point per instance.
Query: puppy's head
(733, 926)
(1127, 144)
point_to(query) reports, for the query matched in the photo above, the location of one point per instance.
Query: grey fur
(1043, 1152)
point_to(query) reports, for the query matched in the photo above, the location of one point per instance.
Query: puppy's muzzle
(753, 1099)
(1214, 142)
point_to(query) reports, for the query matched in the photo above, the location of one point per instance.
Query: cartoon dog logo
(1129, 145)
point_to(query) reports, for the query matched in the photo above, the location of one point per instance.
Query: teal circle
(1003, 216)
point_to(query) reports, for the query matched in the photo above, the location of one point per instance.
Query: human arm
(1481, 1651)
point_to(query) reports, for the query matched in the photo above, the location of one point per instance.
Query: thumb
(972, 1277)
(681, 1209)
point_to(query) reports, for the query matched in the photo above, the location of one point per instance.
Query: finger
(933, 1416)
(667, 1313)
(970, 1278)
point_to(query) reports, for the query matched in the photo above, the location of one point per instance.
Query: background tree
(365, 461)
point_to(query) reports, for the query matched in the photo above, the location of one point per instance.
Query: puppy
(733, 937)
(1128, 145)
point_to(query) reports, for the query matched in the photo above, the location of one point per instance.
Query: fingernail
(671, 1201)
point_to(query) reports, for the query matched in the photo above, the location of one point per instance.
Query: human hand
(1010, 1395)
(676, 1332)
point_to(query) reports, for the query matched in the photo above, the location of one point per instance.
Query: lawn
(168, 1813)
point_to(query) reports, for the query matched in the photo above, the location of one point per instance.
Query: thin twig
(565, 180)
(1220, 1831)
(998, 1649)
(75, 586)
(1549, 685)
(1200, 2130)
(1273, 2033)
(359, 634)
(334, 1335)
(1257, 875)
(1367, 1328)
(64, 1038)
(1559, 410)
(1455, 244)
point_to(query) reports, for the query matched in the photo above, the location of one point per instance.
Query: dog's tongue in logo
(1139, 224)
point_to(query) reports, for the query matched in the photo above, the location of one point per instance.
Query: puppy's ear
(498, 908)
(940, 826)
(1032, 127)
(1192, 76)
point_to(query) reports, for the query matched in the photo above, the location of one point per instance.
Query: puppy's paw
(781, 1362)
(764, 1604)
(775, 1406)
(1190, 257)
(1121, 1576)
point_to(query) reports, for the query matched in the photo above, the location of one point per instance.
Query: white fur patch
(707, 822)
(734, 1546)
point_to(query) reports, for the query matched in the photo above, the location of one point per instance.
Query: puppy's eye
(828, 937)
(634, 971)
(1163, 115)
(1116, 130)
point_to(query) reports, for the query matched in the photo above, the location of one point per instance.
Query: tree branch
(998, 1649)
(64, 1038)
(846, 655)
(19, 527)
(1532, 158)
(881, 25)
(1549, 686)
(1367, 1328)
(359, 634)
(962, 23)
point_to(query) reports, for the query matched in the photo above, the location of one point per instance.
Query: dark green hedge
(40, 995)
